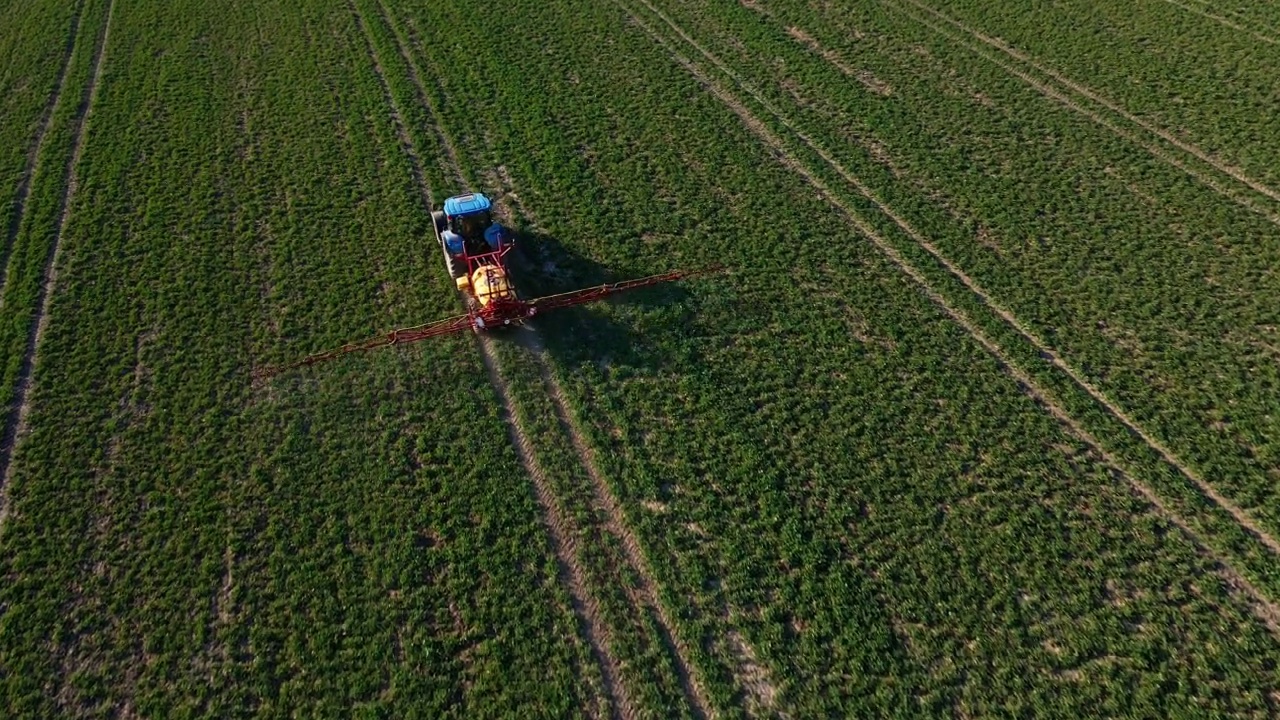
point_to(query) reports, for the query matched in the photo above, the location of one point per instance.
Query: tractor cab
(469, 227)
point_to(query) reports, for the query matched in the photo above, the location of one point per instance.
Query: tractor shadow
(542, 265)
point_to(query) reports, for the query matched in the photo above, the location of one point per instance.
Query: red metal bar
(402, 336)
(599, 292)
(492, 257)
(496, 314)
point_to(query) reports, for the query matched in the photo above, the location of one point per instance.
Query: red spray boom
(493, 314)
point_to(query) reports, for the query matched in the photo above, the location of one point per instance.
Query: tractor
(475, 252)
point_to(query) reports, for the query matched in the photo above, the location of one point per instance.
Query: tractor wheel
(457, 269)
(438, 218)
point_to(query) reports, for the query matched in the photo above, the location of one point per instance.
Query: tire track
(33, 152)
(453, 166)
(1230, 170)
(645, 594)
(1060, 96)
(1224, 21)
(16, 420)
(561, 532)
(1127, 135)
(604, 501)
(1241, 517)
(1266, 611)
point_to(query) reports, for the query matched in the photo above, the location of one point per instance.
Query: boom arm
(459, 323)
(395, 337)
(599, 292)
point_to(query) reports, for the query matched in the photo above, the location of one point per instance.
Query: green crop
(978, 422)
(182, 542)
(37, 44)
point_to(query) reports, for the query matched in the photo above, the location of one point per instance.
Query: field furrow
(642, 589)
(1268, 610)
(978, 420)
(1204, 83)
(1224, 19)
(562, 534)
(1083, 93)
(1124, 421)
(18, 409)
(33, 152)
(1262, 19)
(616, 701)
(644, 593)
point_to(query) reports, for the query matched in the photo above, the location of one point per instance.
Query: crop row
(848, 504)
(360, 540)
(36, 44)
(1212, 83)
(655, 678)
(1058, 295)
(40, 192)
(816, 459)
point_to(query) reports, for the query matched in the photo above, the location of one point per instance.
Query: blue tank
(452, 242)
(497, 236)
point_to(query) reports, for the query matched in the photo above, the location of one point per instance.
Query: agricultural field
(980, 420)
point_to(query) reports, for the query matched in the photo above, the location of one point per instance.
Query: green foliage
(34, 43)
(184, 543)
(823, 469)
(813, 454)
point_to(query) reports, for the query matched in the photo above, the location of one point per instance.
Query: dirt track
(561, 531)
(15, 427)
(1266, 610)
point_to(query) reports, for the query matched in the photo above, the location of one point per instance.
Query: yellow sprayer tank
(489, 283)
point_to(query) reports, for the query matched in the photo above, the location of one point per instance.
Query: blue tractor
(468, 235)
(475, 249)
